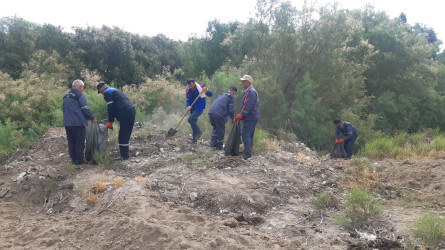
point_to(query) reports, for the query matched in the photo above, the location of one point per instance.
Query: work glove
(189, 108)
(94, 121)
(239, 117)
(205, 90)
(110, 125)
(339, 141)
(233, 121)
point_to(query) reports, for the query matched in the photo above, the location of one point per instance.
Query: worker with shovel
(75, 116)
(250, 114)
(196, 93)
(121, 108)
(350, 135)
(220, 110)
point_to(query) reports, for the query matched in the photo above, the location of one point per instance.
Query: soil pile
(172, 194)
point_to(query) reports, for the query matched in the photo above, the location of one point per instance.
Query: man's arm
(248, 102)
(188, 98)
(110, 106)
(84, 107)
(349, 133)
(231, 107)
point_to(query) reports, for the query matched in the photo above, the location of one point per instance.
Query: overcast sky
(179, 19)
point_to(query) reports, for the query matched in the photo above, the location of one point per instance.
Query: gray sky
(179, 19)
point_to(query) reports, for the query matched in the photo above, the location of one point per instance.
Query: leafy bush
(359, 208)
(11, 138)
(430, 229)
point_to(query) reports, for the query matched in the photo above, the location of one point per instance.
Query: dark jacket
(251, 105)
(75, 109)
(191, 95)
(223, 105)
(348, 130)
(117, 103)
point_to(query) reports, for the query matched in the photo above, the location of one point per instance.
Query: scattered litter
(22, 177)
(366, 236)
(193, 196)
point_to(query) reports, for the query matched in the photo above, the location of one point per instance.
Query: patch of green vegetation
(359, 208)
(142, 134)
(104, 161)
(69, 168)
(324, 200)
(361, 163)
(430, 229)
(81, 189)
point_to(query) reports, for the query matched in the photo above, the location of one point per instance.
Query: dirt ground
(175, 195)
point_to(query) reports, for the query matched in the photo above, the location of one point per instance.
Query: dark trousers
(247, 134)
(193, 120)
(348, 146)
(219, 129)
(76, 143)
(126, 122)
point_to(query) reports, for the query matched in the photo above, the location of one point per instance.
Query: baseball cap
(99, 86)
(247, 78)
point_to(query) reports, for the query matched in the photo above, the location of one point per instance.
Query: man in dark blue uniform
(75, 116)
(220, 110)
(192, 92)
(350, 135)
(250, 114)
(121, 108)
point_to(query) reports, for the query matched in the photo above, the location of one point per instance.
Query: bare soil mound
(172, 194)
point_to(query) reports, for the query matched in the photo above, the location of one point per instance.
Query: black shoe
(120, 158)
(245, 157)
(81, 163)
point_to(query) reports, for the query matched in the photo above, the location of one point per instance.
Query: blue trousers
(126, 123)
(219, 129)
(76, 143)
(348, 146)
(247, 134)
(193, 120)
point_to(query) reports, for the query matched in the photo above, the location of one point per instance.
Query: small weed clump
(104, 160)
(363, 175)
(117, 182)
(141, 180)
(99, 186)
(325, 200)
(92, 198)
(359, 208)
(430, 229)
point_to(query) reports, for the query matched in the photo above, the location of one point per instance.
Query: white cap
(247, 78)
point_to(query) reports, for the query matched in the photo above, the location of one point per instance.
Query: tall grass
(403, 145)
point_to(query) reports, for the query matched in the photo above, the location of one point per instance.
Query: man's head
(246, 81)
(337, 122)
(79, 85)
(191, 84)
(233, 90)
(101, 87)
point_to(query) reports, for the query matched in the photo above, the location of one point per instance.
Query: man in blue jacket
(192, 92)
(75, 116)
(220, 110)
(121, 108)
(350, 135)
(250, 114)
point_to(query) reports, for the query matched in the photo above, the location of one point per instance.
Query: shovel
(172, 131)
